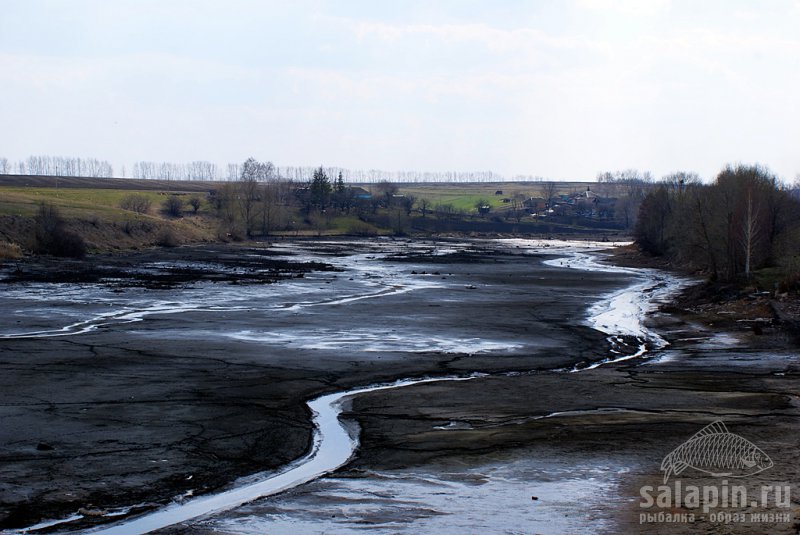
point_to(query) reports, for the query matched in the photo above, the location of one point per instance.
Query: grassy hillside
(96, 215)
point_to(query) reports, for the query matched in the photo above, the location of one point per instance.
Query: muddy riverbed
(120, 397)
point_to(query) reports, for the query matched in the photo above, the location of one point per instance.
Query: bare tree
(273, 206)
(680, 181)
(750, 231)
(742, 222)
(319, 221)
(384, 191)
(398, 220)
(247, 192)
(61, 166)
(517, 206)
(548, 191)
(407, 202)
(652, 231)
(424, 206)
(233, 171)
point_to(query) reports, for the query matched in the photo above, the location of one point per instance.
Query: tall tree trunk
(750, 232)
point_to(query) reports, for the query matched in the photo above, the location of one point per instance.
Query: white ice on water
(622, 313)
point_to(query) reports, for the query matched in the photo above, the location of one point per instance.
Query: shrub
(136, 202)
(228, 233)
(133, 226)
(173, 206)
(167, 238)
(195, 203)
(70, 244)
(51, 237)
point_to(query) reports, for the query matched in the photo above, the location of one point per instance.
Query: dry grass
(10, 251)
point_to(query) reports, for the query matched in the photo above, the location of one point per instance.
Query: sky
(558, 89)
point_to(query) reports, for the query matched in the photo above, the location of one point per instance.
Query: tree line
(261, 201)
(58, 166)
(744, 221)
(202, 170)
(197, 170)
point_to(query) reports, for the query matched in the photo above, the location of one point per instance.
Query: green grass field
(74, 202)
(466, 196)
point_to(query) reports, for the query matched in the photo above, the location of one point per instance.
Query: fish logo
(716, 451)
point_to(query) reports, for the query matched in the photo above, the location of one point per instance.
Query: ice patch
(373, 342)
(622, 313)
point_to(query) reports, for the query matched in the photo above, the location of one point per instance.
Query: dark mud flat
(144, 413)
(164, 268)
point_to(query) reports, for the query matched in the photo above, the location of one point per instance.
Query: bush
(173, 206)
(167, 238)
(52, 238)
(136, 202)
(228, 233)
(70, 245)
(133, 226)
(195, 203)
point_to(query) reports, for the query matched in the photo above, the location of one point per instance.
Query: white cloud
(492, 38)
(637, 8)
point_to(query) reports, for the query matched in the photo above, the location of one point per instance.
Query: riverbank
(729, 307)
(158, 417)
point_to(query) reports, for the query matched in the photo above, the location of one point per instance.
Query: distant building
(534, 204)
(360, 193)
(588, 194)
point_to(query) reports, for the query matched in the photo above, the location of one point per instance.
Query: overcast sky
(560, 89)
